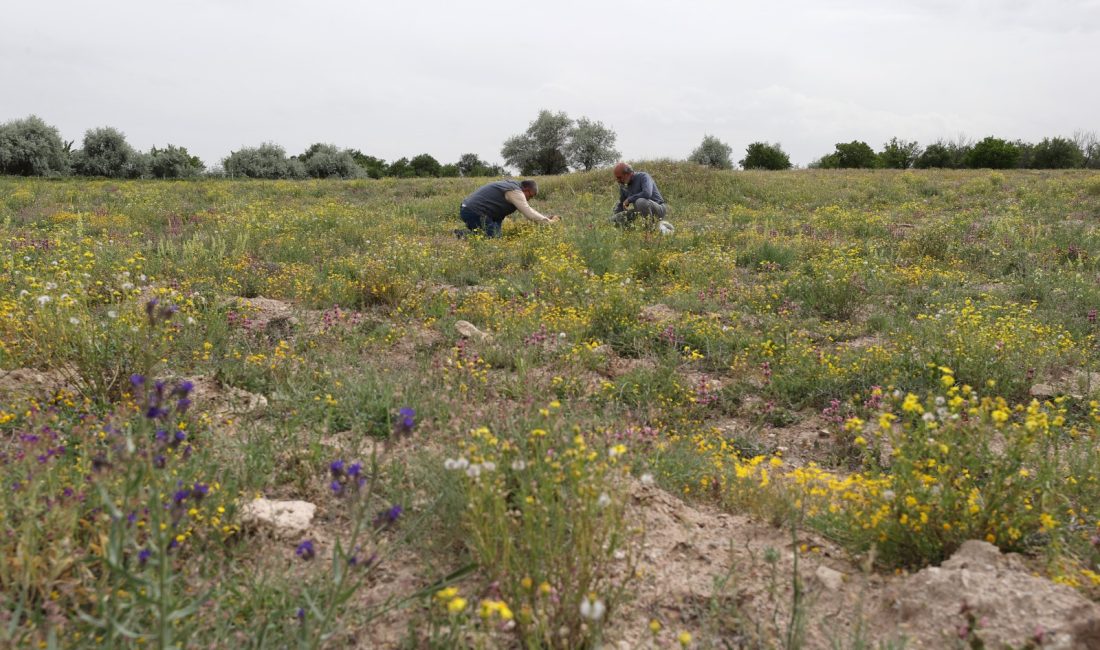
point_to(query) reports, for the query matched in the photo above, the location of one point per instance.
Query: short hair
(627, 169)
(529, 185)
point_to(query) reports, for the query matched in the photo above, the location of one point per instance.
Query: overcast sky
(398, 78)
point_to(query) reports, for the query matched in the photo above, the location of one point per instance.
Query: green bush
(850, 155)
(106, 153)
(30, 147)
(993, 153)
(712, 152)
(762, 155)
(265, 161)
(1057, 153)
(174, 162)
(899, 154)
(326, 161)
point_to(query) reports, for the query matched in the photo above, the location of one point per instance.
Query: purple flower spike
(143, 556)
(182, 405)
(337, 468)
(199, 491)
(137, 380)
(184, 388)
(354, 470)
(337, 487)
(406, 420)
(305, 550)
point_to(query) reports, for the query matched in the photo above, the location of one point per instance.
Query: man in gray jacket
(485, 209)
(638, 196)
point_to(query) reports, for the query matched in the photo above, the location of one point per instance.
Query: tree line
(553, 143)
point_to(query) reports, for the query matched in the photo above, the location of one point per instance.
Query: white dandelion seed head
(74, 320)
(519, 465)
(592, 608)
(473, 471)
(646, 479)
(112, 313)
(44, 299)
(604, 500)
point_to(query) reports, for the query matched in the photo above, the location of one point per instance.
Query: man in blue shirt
(638, 196)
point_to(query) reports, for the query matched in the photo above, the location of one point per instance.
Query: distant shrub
(899, 154)
(424, 166)
(1057, 153)
(469, 164)
(106, 153)
(326, 161)
(993, 153)
(946, 155)
(591, 144)
(712, 152)
(762, 155)
(850, 155)
(174, 162)
(265, 161)
(30, 147)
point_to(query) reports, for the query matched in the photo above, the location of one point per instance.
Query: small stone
(283, 518)
(1042, 390)
(831, 579)
(469, 331)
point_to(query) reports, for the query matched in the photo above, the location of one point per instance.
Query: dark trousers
(476, 222)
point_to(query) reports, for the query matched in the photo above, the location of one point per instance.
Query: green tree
(425, 166)
(400, 169)
(591, 144)
(712, 152)
(374, 167)
(993, 153)
(541, 149)
(762, 155)
(30, 147)
(850, 155)
(899, 154)
(105, 152)
(1057, 153)
(174, 162)
(327, 161)
(946, 155)
(469, 164)
(268, 160)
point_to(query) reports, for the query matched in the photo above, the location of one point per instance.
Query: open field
(757, 432)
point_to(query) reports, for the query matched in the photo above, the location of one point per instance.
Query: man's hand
(554, 218)
(628, 206)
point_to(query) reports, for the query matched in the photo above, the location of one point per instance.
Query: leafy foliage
(899, 154)
(712, 152)
(106, 153)
(30, 147)
(174, 162)
(591, 144)
(268, 160)
(762, 155)
(326, 161)
(993, 153)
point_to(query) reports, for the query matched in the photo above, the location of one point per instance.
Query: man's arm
(645, 189)
(516, 198)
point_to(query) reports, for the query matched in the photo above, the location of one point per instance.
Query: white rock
(831, 579)
(283, 518)
(470, 331)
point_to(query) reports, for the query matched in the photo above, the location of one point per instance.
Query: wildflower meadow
(874, 366)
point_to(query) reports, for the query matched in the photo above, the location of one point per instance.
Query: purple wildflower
(406, 421)
(337, 487)
(388, 517)
(137, 380)
(337, 468)
(305, 550)
(199, 491)
(143, 556)
(180, 495)
(182, 405)
(354, 470)
(183, 389)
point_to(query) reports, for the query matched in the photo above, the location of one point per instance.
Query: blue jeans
(475, 221)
